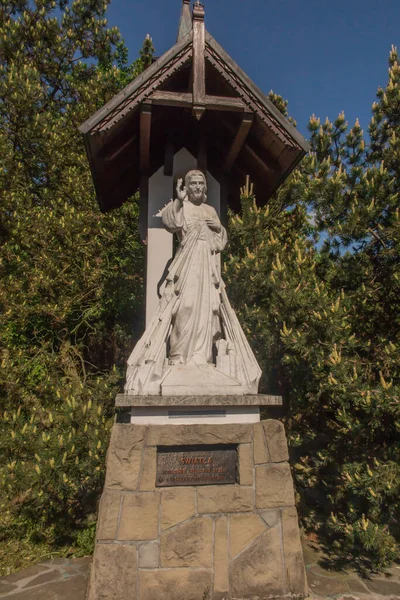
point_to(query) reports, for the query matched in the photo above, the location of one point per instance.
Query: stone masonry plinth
(213, 542)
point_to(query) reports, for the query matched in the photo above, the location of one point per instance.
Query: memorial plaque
(196, 465)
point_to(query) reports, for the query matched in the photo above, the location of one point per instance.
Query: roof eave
(130, 89)
(269, 106)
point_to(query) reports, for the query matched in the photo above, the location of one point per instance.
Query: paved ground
(66, 579)
(347, 585)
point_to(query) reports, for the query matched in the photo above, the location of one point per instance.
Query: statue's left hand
(213, 225)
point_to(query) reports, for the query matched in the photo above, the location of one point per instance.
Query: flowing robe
(194, 314)
(196, 323)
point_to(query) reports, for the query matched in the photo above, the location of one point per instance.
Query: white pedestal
(194, 415)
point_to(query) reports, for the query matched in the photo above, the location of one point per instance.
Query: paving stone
(124, 457)
(108, 515)
(243, 530)
(258, 571)
(70, 589)
(113, 574)
(340, 575)
(393, 571)
(188, 545)
(245, 464)
(71, 571)
(139, 517)
(310, 553)
(182, 435)
(44, 578)
(326, 586)
(148, 476)
(357, 585)
(84, 561)
(224, 499)
(177, 505)
(25, 573)
(149, 556)
(60, 560)
(175, 584)
(276, 440)
(5, 588)
(274, 486)
(385, 587)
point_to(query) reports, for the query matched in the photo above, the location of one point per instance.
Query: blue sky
(324, 56)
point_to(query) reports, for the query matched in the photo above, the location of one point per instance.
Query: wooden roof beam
(257, 161)
(199, 63)
(145, 128)
(178, 99)
(238, 142)
(145, 132)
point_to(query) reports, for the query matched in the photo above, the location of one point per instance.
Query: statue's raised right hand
(180, 191)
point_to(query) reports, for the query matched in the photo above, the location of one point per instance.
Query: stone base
(212, 542)
(183, 380)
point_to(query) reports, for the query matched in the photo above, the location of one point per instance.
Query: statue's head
(196, 187)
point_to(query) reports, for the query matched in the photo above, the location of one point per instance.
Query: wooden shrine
(198, 500)
(195, 97)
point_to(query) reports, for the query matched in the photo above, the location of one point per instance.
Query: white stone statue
(194, 343)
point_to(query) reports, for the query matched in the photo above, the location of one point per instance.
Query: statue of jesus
(196, 318)
(194, 325)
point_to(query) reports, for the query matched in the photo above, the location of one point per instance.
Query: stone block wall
(216, 542)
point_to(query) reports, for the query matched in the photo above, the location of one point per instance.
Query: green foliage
(86, 540)
(127, 72)
(71, 282)
(53, 461)
(325, 323)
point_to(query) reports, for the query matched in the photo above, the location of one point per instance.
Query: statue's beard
(197, 198)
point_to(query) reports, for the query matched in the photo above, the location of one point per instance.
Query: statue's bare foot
(176, 360)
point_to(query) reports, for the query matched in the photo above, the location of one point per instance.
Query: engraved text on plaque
(196, 465)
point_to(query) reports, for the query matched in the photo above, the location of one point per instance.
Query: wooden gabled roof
(194, 96)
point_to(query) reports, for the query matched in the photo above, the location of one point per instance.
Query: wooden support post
(238, 141)
(145, 130)
(199, 65)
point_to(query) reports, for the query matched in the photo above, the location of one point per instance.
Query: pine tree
(324, 321)
(70, 278)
